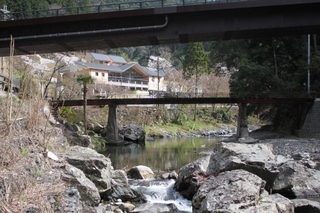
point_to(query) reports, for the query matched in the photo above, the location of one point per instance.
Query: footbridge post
(242, 126)
(112, 129)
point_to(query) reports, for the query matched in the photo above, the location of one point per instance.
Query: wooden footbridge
(242, 128)
(206, 100)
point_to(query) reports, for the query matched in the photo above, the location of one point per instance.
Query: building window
(102, 74)
(97, 74)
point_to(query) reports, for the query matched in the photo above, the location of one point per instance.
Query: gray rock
(72, 127)
(173, 175)
(274, 203)
(117, 210)
(82, 140)
(238, 191)
(280, 160)
(133, 132)
(255, 158)
(156, 207)
(304, 205)
(98, 128)
(128, 207)
(88, 191)
(185, 183)
(247, 140)
(32, 210)
(112, 184)
(71, 200)
(121, 189)
(140, 172)
(296, 180)
(79, 140)
(96, 167)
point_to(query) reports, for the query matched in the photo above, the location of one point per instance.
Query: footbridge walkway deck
(242, 128)
(206, 100)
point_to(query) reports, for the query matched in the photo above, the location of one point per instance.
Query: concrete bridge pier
(112, 128)
(242, 126)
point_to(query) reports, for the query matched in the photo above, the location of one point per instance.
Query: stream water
(162, 155)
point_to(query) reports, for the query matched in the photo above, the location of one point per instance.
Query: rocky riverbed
(289, 145)
(274, 174)
(229, 180)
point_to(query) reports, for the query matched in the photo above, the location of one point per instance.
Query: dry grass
(26, 176)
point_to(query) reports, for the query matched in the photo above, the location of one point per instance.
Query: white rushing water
(161, 191)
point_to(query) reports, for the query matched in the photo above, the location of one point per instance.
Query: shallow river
(162, 155)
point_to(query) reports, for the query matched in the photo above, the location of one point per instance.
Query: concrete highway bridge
(242, 128)
(157, 22)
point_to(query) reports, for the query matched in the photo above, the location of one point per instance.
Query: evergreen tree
(195, 63)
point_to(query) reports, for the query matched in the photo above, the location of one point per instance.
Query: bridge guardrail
(138, 5)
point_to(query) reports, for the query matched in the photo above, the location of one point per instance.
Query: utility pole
(308, 64)
(158, 75)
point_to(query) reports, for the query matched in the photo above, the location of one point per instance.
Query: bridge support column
(242, 126)
(112, 129)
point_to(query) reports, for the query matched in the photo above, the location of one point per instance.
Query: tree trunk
(315, 43)
(85, 108)
(196, 95)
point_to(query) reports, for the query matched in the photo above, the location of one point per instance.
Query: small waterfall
(161, 191)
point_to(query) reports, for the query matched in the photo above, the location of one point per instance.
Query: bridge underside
(181, 24)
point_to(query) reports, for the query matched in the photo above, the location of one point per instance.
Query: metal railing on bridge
(6, 15)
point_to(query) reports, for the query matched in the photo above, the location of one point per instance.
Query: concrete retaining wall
(311, 126)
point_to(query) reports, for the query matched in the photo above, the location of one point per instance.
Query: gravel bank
(289, 145)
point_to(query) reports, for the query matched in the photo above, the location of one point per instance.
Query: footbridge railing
(6, 15)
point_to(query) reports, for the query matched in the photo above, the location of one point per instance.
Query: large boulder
(88, 192)
(111, 184)
(96, 166)
(235, 192)
(121, 188)
(255, 158)
(296, 180)
(188, 183)
(133, 133)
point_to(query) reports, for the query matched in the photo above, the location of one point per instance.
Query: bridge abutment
(311, 125)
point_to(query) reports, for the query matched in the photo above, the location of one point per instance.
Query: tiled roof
(108, 58)
(72, 68)
(126, 66)
(100, 66)
(100, 57)
(117, 59)
(119, 69)
(154, 72)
